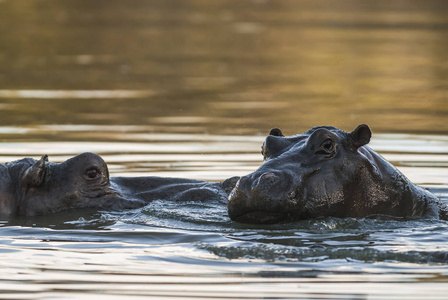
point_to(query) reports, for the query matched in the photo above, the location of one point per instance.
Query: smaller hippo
(30, 187)
(327, 172)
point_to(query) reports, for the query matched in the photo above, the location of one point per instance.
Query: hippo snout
(255, 199)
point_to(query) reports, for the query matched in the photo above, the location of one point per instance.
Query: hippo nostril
(243, 184)
(267, 175)
(266, 181)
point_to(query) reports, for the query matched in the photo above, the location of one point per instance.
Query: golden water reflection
(226, 67)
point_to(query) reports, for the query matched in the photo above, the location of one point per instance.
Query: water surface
(190, 89)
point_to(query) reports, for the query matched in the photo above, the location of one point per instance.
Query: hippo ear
(34, 176)
(361, 135)
(276, 132)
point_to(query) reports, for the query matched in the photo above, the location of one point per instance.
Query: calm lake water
(190, 89)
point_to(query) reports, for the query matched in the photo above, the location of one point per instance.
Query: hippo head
(34, 187)
(322, 172)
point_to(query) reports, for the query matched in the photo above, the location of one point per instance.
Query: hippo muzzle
(262, 198)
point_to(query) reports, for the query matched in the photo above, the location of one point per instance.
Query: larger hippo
(327, 172)
(30, 187)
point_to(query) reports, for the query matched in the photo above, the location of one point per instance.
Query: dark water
(189, 89)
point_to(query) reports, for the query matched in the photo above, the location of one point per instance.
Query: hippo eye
(327, 147)
(92, 172)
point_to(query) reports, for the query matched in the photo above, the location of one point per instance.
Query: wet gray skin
(30, 187)
(327, 172)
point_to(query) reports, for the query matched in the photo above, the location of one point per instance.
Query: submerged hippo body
(31, 187)
(327, 172)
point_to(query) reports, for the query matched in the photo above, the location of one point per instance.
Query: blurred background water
(190, 89)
